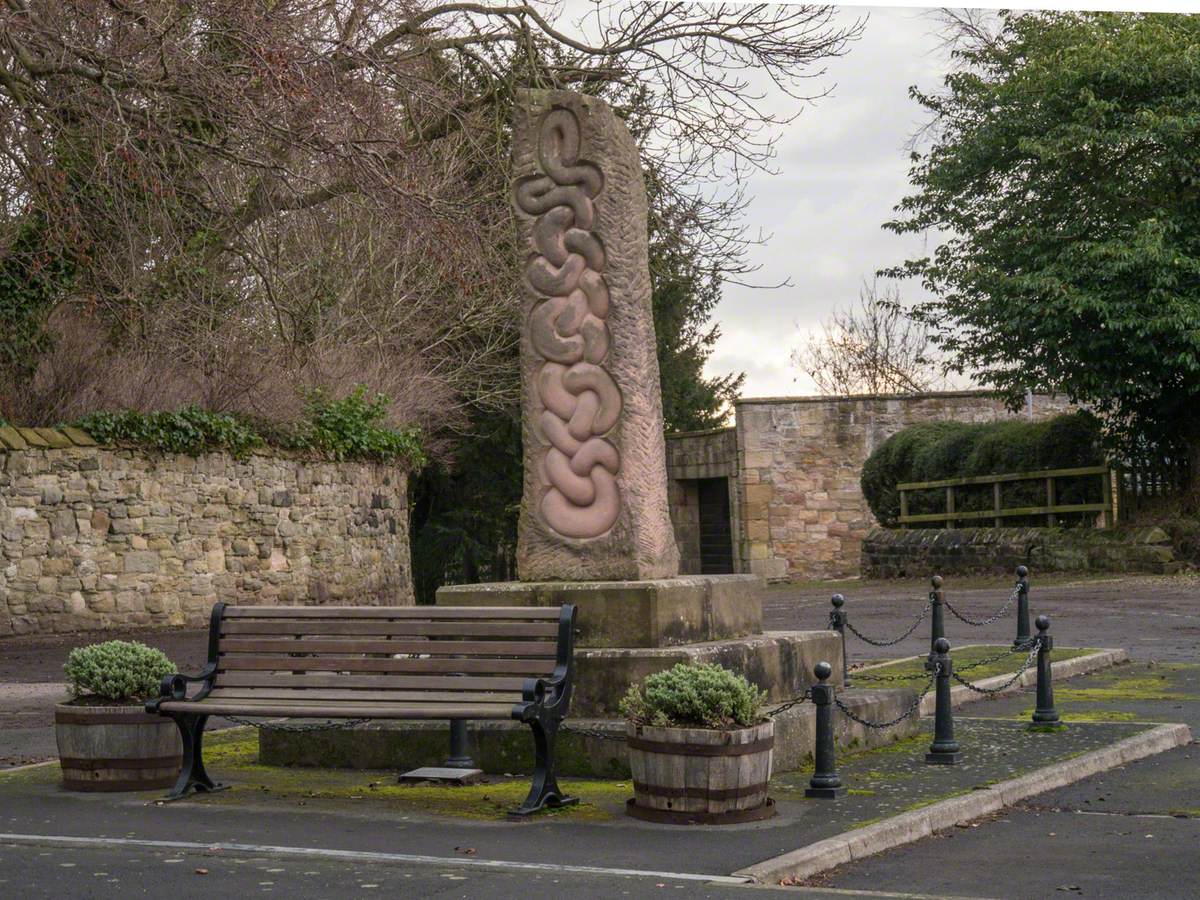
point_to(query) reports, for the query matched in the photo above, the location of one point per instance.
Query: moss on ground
(231, 757)
(1138, 688)
(235, 761)
(917, 677)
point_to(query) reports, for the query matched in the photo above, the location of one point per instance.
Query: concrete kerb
(905, 828)
(1060, 669)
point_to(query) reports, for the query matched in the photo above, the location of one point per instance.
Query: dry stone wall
(97, 538)
(892, 553)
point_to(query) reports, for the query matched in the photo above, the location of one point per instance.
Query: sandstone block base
(505, 747)
(658, 613)
(779, 662)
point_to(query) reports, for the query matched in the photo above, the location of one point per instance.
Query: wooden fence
(999, 512)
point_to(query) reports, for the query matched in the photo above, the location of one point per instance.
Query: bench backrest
(340, 653)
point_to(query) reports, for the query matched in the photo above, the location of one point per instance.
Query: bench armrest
(174, 687)
(553, 694)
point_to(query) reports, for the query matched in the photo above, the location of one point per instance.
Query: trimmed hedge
(938, 450)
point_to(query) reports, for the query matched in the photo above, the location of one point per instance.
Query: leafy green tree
(1063, 178)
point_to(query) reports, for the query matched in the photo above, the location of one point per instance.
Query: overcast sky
(842, 166)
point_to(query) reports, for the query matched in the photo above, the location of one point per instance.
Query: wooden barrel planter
(700, 776)
(116, 748)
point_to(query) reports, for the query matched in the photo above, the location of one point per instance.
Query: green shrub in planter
(702, 696)
(119, 671)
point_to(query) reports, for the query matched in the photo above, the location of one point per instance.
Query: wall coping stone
(833, 398)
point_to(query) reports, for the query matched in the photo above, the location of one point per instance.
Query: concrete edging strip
(911, 826)
(1062, 669)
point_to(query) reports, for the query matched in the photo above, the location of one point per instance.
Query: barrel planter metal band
(701, 749)
(698, 793)
(116, 748)
(672, 817)
(694, 776)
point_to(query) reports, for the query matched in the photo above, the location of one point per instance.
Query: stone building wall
(803, 514)
(95, 538)
(691, 456)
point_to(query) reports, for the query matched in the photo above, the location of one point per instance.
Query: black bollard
(1022, 639)
(937, 620)
(944, 749)
(837, 621)
(1045, 714)
(460, 754)
(825, 781)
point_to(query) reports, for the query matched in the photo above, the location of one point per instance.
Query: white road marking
(359, 856)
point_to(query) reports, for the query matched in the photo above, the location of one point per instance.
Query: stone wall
(802, 513)
(895, 553)
(96, 538)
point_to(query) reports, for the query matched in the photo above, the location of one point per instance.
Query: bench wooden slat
(535, 613)
(343, 710)
(416, 682)
(535, 649)
(325, 662)
(317, 627)
(327, 694)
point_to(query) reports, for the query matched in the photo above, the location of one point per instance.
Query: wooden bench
(375, 662)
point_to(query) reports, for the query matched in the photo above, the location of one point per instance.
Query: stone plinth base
(506, 747)
(779, 662)
(658, 613)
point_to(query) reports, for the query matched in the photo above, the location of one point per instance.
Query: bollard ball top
(822, 670)
(936, 581)
(1022, 571)
(941, 645)
(1042, 622)
(838, 600)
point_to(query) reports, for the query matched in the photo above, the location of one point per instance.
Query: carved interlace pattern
(567, 330)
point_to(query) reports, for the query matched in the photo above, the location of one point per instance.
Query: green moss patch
(1142, 687)
(233, 758)
(913, 675)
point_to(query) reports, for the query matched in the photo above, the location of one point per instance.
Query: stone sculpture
(595, 501)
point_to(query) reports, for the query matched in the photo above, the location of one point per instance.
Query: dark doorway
(716, 538)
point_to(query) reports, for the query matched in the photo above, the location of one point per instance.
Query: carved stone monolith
(595, 500)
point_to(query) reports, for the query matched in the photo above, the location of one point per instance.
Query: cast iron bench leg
(192, 775)
(545, 790)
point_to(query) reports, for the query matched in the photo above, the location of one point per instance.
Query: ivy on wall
(347, 428)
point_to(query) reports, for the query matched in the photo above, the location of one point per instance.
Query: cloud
(842, 166)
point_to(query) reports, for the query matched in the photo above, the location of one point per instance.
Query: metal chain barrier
(859, 675)
(900, 718)
(874, 643)
(1016, 675)
(991, 659)
(298, 729)
(978, 623)
(795, 701)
